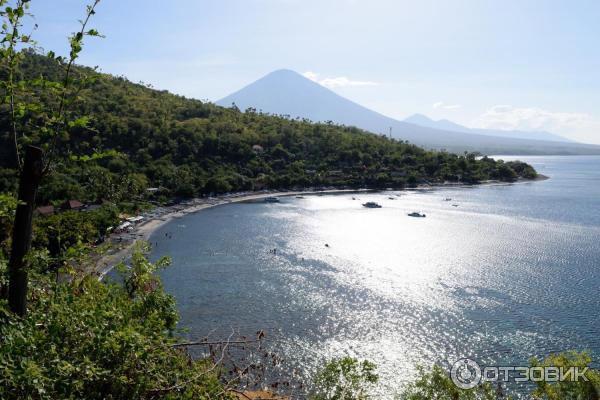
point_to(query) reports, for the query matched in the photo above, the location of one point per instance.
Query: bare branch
(203, 343)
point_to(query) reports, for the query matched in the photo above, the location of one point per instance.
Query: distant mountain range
(446, 125)
(286, 92)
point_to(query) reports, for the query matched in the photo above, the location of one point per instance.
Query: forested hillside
(187, 148)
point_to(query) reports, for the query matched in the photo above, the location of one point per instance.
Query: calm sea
(498, 273)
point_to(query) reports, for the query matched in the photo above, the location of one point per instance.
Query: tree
(345, 379)
(53, 124)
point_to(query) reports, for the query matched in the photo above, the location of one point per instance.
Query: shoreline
(160, 216)
(122, 244)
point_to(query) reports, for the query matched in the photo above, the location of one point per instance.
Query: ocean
(496, 273)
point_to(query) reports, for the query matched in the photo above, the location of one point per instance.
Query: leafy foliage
(62, 232)
(91, 340)
(8, 205)
(567, 389)
(345, 379)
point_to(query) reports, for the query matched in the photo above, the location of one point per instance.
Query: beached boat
(271, 200)
(371, 204)
(416, 215)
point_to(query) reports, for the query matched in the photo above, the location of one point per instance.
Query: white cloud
(340, 81)
(536, 119)
(578, 126)
(313, 76)
(442, 105)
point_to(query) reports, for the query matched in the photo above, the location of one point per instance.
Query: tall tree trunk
(29, 181)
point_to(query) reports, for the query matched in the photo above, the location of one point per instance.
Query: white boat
(416, 215)
(371, 204)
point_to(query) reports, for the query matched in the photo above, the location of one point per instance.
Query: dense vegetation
(90, 340)
(189, 148)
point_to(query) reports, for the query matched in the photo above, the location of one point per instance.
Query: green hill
(188, 148)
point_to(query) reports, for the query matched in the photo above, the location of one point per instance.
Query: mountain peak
(285, 76)
(418, 118)
(447, 125)
(284, 71)
(286, 92)
(443, 124)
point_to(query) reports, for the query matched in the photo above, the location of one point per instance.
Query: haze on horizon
(505, 65)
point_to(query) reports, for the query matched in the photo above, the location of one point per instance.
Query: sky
(506, 64)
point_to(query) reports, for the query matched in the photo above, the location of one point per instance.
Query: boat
(299, 197)
(271, 200)
(391, 198)
(448, 199)
(416, 215)
(371, 204)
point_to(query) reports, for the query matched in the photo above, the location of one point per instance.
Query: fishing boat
(371, 204)
(416, 215)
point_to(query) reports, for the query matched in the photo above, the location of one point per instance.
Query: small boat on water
(371, 204)
(391, 198)
(416, 215)
(299, 197)
(271, 200)
(447, 199)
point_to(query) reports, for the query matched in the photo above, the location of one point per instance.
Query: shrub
(91, 340)
(345, 379)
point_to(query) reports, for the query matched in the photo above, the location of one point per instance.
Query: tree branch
(75, 41)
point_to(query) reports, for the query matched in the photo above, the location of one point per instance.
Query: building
(44, 211)
(73, 205)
